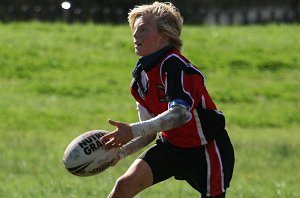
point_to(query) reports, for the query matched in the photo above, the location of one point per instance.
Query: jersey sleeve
(134, 92)
(183, 82)
(143, 112)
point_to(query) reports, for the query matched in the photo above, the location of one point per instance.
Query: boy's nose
(135, 33)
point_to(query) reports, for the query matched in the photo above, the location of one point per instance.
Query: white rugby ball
(85, 155)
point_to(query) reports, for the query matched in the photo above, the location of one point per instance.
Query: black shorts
(208, 173)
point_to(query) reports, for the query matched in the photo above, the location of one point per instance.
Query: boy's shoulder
(174, 56)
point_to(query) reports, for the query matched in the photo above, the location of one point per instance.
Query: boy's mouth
(137, 44)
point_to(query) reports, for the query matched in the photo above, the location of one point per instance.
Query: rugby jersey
(167, 75)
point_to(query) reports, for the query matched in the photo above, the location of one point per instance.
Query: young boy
(172, 99)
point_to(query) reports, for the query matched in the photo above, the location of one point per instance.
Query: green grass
(58, 80)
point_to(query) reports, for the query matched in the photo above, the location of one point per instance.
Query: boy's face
(145, 36)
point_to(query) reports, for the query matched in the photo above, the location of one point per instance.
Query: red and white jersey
(165, 76)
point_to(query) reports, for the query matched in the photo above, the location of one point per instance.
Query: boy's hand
(119, 137)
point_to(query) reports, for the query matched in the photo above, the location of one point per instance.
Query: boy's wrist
(122, 153)
(137, 129)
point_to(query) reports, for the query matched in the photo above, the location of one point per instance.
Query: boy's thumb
(112, 122)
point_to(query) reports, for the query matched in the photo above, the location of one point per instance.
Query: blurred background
(223, 12)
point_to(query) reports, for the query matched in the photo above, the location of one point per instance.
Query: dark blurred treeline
(115, 11)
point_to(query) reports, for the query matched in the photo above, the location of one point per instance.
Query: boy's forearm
(135, 145)
(172, 118)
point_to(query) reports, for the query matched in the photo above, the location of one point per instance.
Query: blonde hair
(166, 17)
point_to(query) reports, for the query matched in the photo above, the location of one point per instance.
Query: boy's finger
(108, 145)
(106, 138)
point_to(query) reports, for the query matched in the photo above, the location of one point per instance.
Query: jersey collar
(148, 62)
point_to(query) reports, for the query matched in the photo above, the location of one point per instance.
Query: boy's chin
(137, 52)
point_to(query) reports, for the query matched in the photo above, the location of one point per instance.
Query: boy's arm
(139, 142)
(176, 116)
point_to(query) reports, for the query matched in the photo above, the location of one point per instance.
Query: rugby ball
(85, 155)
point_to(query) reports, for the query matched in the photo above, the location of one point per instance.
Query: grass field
(58, 80)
